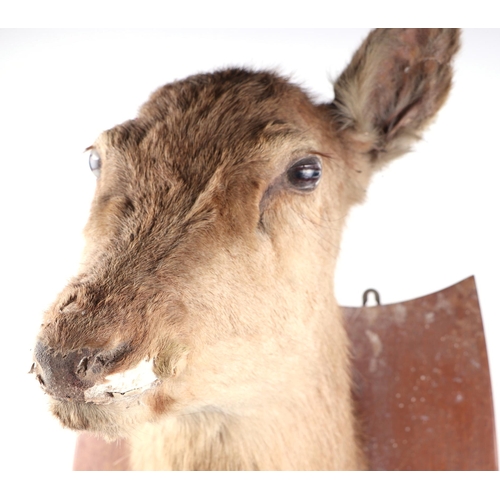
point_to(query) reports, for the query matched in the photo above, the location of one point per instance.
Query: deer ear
(395, 84)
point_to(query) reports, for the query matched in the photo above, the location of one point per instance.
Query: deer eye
(95, 162)
(305, 174)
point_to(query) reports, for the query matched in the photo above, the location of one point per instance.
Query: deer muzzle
(90, 375)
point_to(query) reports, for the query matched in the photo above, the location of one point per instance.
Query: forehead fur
(211, 122)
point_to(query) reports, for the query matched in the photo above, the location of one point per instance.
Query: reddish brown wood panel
(93, 453)
(422, 382)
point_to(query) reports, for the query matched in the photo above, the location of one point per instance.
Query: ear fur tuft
(393, 87)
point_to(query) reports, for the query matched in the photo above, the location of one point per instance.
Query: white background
(430, 219)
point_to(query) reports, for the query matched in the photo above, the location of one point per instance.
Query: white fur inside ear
(129, 382)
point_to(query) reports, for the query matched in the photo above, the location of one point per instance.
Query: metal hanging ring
(375, 293)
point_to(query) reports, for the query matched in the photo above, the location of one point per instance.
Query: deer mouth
(128, 384)
(60, 380)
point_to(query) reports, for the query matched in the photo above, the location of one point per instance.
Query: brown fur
(200, 256)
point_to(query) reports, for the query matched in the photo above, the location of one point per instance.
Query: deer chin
(115, 407)
(109, 422)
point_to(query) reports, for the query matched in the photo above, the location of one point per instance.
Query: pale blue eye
(95, 162)
(305, 174)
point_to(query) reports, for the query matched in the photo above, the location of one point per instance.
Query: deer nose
(68, 375)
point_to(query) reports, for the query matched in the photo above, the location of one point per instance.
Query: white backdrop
(430, 219)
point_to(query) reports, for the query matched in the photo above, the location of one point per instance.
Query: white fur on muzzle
(129, 383)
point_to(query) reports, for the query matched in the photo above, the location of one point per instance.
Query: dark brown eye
(305, 174)
(95, 162)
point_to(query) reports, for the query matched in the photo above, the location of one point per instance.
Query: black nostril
(40, 380)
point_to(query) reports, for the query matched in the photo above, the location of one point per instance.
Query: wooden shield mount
(421, 384)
